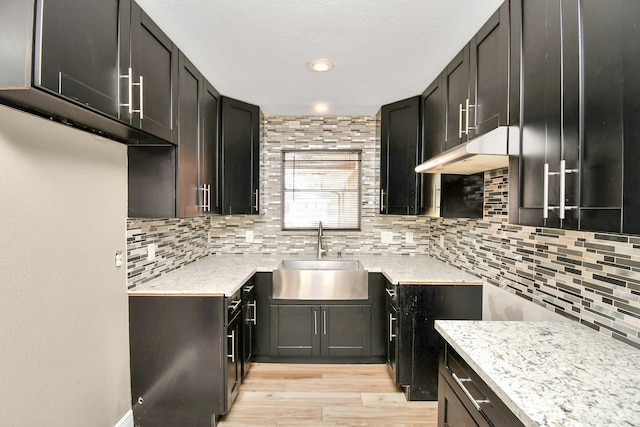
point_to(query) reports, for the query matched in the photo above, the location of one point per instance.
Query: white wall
(64, 353)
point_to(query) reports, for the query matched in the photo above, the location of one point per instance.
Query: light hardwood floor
(280, 395)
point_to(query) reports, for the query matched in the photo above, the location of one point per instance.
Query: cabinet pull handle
(315, 322)
(466, 110)
(249, 288)
(391, 293)
(234, 304)
(391, 334)
(141, 92)
(563, 188)
(129, 78)
(257, 195)
(324, 322)
(545, 194)
(232, 356)
(474, 402)
(382, 206)
(206, 198)
(255, 313)
(460, 122)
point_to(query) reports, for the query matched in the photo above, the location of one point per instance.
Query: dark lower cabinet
(418, 343)
(464, 400)
(320, 330)
(179, 362)
(263, 292)
(249, 322)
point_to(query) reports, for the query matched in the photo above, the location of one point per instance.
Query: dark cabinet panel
(183, 339)
(540, 108)
(579, 77)
(489, 74)
(456, 83)
(209, 149)
(400, 154)
(418, 343)
(152, 96)
(189, 194)
(295, 330)
(333, 330)
(346, 330)
(451, 411)
(240, 154)
(378, 314)
(151, 181)
(263, 292)
(249, 323)
(77, 56)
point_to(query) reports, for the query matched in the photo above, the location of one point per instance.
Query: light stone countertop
(225, 274)
(552, 373)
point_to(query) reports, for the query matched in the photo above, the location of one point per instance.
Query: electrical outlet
(442, 241)
(119, 260)
(386, 237)
(248, 237)
(408, 237)
(151, 252)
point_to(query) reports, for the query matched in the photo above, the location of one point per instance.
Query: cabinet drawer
(478, 398)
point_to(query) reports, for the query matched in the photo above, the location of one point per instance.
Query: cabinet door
(240, 157)
(489, 74)
(154, 62)
(295, 330)
(434, 130)
(400, 154)
(160, 329)
(209, 148)
(263, 290)
(233, 360)
(77, 52)
(346, 330)
(540, 29)
(189, 193)
(456, 81)
(611, 81)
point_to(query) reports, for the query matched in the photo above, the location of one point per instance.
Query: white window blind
(321, 186)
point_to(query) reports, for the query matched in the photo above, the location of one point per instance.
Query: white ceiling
(257, 50)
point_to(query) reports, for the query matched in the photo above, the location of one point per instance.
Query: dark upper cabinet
(180, 181)
(489, 75)
(434, 130)
(457, 101)
(400, 153)
(579, 77)
(240, 157)
(197, 142)
(150, 77)
(80, 64)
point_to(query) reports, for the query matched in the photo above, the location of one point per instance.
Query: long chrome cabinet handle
(391, 293)
(257, 195)
(206, 198)
(324, 322)
(315, 322)
(382, 206)
(232, 356)
(391, 334)
(460, 121)
(234, 304)
(474, 402)
(545, 192)
(129, 78)
(563, 188)
(466, 111)
(255, 313)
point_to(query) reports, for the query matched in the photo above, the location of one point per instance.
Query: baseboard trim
(126, 420)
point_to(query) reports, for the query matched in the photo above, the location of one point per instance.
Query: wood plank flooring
(276, 394)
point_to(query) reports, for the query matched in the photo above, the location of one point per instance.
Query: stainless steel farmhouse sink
(320, 280)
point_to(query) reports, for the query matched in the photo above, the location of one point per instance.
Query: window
(321, 186)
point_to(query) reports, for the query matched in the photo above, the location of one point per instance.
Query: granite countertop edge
(224, 274)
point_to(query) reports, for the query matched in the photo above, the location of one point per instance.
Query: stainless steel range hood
(486, 152)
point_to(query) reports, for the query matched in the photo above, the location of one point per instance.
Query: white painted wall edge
(126, 420)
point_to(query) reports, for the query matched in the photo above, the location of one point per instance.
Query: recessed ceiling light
(321, 107)
(320, 65)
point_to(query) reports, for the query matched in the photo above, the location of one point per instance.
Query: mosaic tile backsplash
(592, 278)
